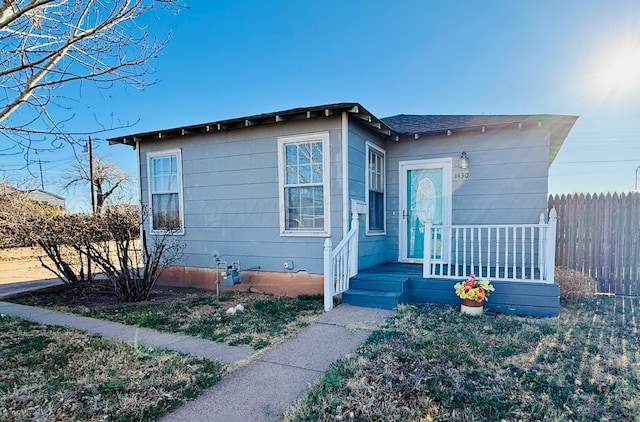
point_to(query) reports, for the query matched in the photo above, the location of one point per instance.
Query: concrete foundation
(279, 283)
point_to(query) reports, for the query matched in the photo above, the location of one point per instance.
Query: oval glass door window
(425, 200)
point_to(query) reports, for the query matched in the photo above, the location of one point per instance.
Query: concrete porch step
(373, 298)
(380, 282)
(377, 290)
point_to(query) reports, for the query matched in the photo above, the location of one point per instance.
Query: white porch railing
(520, 252)
(341, 263)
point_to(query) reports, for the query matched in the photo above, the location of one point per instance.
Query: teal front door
(425, 195)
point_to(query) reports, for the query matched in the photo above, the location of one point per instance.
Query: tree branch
(45, 44)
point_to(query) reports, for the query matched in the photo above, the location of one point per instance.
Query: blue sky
(230, 59)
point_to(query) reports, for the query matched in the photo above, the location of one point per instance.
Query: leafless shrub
(79, 245)
(573, 284)
(133, 263)
(67, 240)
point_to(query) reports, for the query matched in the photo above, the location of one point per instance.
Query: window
(375, 189)
(303, 180)
(165, 190)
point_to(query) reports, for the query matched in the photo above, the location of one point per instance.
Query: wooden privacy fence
(599, 235)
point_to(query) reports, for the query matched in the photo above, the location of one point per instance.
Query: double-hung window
(304, 175)
(165, 190)
(375, 189)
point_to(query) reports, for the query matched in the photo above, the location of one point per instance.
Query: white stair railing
(341, 263)
(518, 252)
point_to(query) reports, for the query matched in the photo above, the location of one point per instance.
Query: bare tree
(47, 44)
(107, 179)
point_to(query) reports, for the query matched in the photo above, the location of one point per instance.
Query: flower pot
(471, 307)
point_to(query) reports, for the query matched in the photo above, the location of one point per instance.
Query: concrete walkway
(133, 335)
(265, 384)
(9, 290)
(263, 389)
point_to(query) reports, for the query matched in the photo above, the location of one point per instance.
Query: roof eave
(538, 120)
(354, 109)
(559, 128)
(558, 133)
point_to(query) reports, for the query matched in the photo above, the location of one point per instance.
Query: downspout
(345, 174)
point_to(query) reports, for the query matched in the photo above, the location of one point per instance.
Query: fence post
(328, 276)
(426, 261)
(551, 246)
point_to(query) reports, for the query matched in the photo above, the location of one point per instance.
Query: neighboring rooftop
(45, 197)
(37, 195)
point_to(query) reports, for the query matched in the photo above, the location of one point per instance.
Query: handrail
(341, 263)
(509, 252)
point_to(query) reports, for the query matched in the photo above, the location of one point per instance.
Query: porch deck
(386, 285)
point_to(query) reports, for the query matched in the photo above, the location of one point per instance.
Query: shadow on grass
(432, 363)
(53, 373)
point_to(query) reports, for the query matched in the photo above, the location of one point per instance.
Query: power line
(596, 161)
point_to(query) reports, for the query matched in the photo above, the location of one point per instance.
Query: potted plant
(473, 292)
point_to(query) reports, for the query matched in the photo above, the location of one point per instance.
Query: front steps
(389, 284)
(377, 290)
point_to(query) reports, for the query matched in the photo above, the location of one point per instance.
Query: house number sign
(461, 175)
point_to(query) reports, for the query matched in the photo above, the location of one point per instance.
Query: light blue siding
(507, 182)
(371, 248)
(230, 189)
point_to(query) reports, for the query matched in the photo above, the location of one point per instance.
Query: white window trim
(166, 153)
(291, 139)
(371, 146)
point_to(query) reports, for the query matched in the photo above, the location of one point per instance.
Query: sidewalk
(8, 290)
(134, 335)
(263, 389)
(265, 386)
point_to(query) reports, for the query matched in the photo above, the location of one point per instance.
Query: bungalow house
(37, 195)
(44, 197)
(334, 199)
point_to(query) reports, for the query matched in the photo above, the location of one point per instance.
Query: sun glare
(621, 72)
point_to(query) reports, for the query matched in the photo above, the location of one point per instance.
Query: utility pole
(41, 178)
(93, 200)
(637, 168)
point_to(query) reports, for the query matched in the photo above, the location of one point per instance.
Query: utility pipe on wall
(141, 202)
(345, 174)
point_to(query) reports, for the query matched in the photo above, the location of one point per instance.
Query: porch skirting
(512, 297)
(520, 298)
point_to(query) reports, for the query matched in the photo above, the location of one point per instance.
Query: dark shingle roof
(425, 125)
(412, 123)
